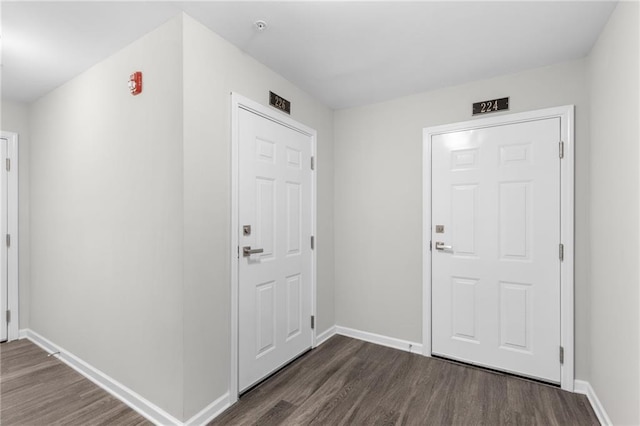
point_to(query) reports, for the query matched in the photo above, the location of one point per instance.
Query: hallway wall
(213, 68)
(131, 220)
(106, 217)
(614, 88)
(378, 196)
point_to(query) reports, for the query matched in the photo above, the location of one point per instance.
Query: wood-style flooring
(342, 382)
(39, 390)
(350, 382)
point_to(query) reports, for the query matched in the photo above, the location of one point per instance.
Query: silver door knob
(440, 246)
(248, 251)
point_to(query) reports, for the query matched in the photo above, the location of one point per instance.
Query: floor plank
(39, 390)
(350, 382)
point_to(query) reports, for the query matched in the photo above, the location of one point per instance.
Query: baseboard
(22, 333)
(379, 339)
(211, 411)
(583, 387)
(325, 335)
(156, 415)
(144, 407)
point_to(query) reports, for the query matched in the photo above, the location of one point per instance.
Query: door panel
(275, 284)
(496, 291)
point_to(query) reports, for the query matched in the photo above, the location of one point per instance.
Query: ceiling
(342, 53)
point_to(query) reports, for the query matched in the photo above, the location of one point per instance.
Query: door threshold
(496, 371)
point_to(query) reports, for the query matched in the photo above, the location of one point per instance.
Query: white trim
(13, 285)
(426, 245)
(237, 102)
(210, 412)
(22, 334)
(325, 335)
(585, 388)
(144, 407)
(234, 250)
(567, 204)
(378, 339)
(566, 115)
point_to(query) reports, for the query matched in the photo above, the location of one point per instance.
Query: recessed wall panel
(516, 155)
(265, 150)
(266, 317)
(294, 306)
(294, 158)
(515, 220)
(265, 216)
(294, 210)
(464, 215)
(464, 159)
(515, 314)
(463, 302)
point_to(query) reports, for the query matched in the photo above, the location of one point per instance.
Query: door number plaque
(279, 102)
(492, 105)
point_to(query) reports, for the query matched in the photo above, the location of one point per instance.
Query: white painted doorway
(9, 309)
(274, 231)
(498, 247)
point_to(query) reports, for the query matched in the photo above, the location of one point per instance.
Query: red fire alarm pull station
(135, 83)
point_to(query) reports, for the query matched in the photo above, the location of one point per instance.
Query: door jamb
(13, 285)
(240, 102)
(566, 115)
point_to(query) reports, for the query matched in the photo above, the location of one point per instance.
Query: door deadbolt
(246, 230)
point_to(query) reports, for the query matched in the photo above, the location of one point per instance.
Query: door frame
(13, 286)
(566, 115)
(239, 102)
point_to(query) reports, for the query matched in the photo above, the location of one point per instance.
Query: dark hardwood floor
(350, 382)
(342, 382)
(40, 390)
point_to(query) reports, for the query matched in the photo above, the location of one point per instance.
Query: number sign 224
(490, 106)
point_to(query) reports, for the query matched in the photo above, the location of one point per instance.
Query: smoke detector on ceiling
(260, 25)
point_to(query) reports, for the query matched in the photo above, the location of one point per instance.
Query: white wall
(213, 68)
(615, 194)
(131, 218)
(378, 196)
(106, 217)
(14, 118)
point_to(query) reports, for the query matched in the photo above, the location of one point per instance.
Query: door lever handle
(440, 246)
(248, 251)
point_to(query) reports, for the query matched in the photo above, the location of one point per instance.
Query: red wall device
(135, 83)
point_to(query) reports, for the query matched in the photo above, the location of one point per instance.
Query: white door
(275, 207)
(495, 258)
(4, 222)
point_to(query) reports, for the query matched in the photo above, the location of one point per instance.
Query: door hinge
(8, 164)
(313, 163)
(8, 315)
(313, 242)
(313, 322)
(561, 149)
(561, 252)
(430, 246)
(561, 355)
(238, 252)
(8, 240)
